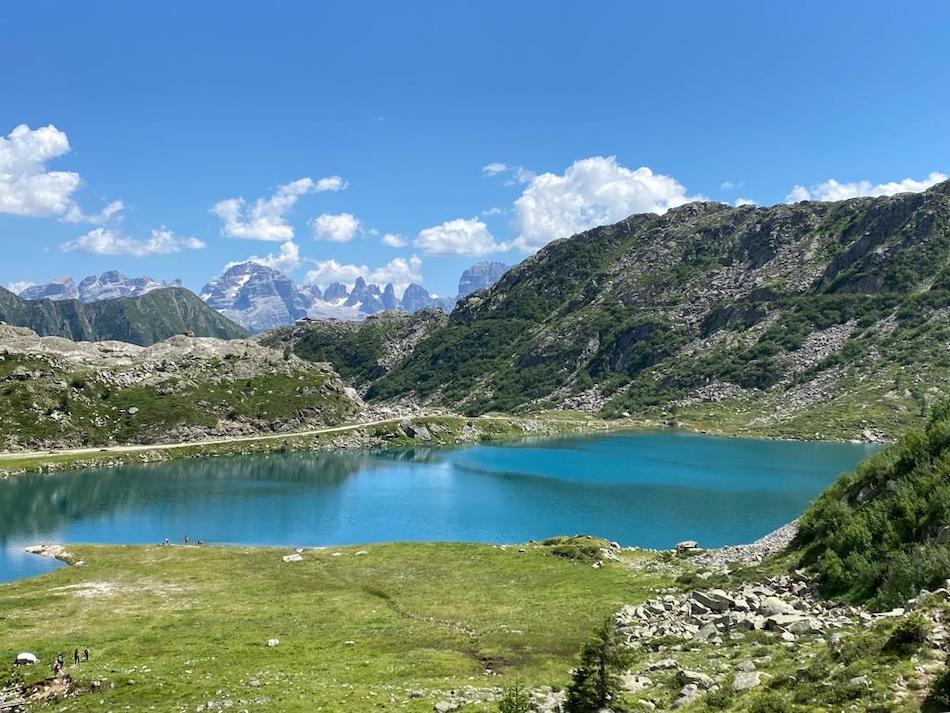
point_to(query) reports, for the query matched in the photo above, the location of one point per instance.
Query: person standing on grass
(85, 654)
(76, 657)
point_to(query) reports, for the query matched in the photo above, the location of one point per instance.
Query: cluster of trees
(881, 534)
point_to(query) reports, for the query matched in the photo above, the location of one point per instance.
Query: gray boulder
(714, 600)
(771, 606)
(745, 680)
(696, 678)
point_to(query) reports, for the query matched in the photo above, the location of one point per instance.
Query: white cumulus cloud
(29, 188)
(458, 237)
(400, 272)
(739, 202)
(286, 260)
(337, 228)
(394, 240)
(592, 191)
(105, 241)
(266, 219)
(26, 186)
(832, 190)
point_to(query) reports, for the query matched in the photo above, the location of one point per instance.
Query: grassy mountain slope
(359, 351)
(141, 320)
(813, 319)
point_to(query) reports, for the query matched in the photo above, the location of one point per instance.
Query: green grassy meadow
(172, 628)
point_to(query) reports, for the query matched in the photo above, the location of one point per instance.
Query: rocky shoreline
(751, 554)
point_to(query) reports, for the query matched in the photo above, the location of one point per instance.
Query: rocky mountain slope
(142, 320)
(95, 287)
(55, 392)
(256, 296)
(813, 319)
(360, 351)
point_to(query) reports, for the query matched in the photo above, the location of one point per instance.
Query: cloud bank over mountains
(544, 206)
(832, 190)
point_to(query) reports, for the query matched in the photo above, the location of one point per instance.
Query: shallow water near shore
(645, 489)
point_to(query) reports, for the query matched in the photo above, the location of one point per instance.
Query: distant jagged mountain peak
(113, 283)
(256, 296)
(480, 276)
(59, 288)
(94, 288)
(335, 291)
(261, 298)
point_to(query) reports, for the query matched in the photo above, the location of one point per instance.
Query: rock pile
(788, 607)
(55, 551)
(751, 554)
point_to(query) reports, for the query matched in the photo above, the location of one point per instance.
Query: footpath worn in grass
(442, 430)
(380, 627)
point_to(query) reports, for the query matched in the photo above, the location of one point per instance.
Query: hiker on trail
(186, 539)
(61, 660)
(57, 667)
(76, 657)
(85, 654)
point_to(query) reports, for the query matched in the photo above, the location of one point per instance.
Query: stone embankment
(751, 554)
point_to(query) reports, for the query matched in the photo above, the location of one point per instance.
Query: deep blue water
(645, 489)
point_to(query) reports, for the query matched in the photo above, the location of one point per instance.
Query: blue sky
(396, 114)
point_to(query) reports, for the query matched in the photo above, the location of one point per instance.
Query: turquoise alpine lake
(645, 489)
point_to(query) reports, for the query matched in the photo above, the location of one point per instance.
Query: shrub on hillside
(873, 535)
(515, 699)
(939, 697)
(908, 636)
